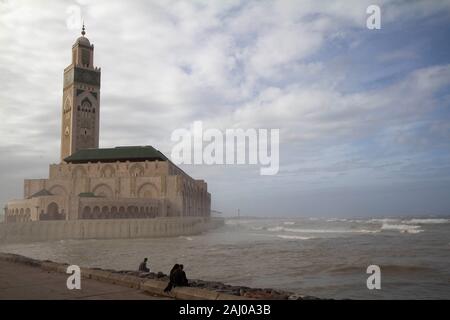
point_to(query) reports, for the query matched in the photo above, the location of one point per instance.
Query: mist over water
(327, 258)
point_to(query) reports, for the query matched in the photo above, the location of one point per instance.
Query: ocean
(327, 258)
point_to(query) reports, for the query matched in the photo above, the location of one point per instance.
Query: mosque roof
(83, 40)
(130, 153)
(88, 195)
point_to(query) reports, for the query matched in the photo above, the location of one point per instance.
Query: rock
(309, 298)
(144, 274)
(258, 295)
(236, 292)
(280, 297)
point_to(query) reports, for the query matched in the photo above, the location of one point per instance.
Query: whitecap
(288, 222)
(274, 229)
(283, 236)
(426, 221)
(403, 228)
(411, 231)
(384, 220)
(321, 230)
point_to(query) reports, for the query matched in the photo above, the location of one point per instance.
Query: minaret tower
(81, 100)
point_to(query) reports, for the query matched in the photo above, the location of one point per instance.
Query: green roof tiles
(88, 195)
(132, 153)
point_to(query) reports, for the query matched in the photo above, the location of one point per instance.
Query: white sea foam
(277, 229)
(387, 226)
(186, 238)
(426, 221)
(404, 228)
(337, 220)
(315, 230)
(411, 231)
(384, 220)
(283, 236)
(368, 231)
(288, 222)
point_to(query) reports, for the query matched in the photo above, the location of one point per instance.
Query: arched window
(86, 213)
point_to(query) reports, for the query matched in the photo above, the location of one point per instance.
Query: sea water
(322, 257)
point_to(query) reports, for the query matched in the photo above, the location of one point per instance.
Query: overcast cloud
(363, 114)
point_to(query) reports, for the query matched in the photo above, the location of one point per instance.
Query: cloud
(349, 115)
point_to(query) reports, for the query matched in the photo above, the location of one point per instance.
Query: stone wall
(33, 231)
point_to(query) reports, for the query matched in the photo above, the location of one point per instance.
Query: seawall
(154, 283)
(152, 286)
(35, 231)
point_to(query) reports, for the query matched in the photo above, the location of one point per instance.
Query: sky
(363, 114)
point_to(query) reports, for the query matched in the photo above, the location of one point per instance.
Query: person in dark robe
(182, 280)
(172, 281)
(143, 266)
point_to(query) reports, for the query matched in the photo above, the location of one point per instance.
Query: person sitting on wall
(143, 266)
(180, 277)
(171, 283)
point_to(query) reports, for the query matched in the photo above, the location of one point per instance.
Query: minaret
(81, 100)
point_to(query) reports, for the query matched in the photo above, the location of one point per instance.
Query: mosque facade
(92, 183)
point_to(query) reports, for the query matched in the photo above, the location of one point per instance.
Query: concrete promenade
(24, 282)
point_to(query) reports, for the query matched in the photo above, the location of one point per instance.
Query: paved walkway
(18, 281)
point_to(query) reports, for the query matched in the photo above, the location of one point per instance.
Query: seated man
(143, 266)
(171, 283)
(180, 277)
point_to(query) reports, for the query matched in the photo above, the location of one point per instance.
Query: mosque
(104, 184)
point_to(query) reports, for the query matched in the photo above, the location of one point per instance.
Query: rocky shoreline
(154, 282)
(241, 291)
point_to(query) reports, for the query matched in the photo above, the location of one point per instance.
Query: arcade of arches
(119, 212)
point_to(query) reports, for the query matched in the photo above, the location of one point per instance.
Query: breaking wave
(404, 228)
(384, 220)
(277, 229)
(283, 236)
(426, 221)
